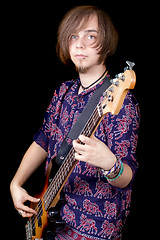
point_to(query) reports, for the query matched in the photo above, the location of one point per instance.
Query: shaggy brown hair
(75, 20)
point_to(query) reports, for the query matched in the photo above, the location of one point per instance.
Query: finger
(84, 139)
(79, 157)
(33, 199)
(25, 214)
(80, 142)
(78, 146)
(27, 209)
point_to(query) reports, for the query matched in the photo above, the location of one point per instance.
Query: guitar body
(40, 227)
(112, 100)
(36, 226)
(36, 232)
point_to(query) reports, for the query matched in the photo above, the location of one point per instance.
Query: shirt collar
(77, 85)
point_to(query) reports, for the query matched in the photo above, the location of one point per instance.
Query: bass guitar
(111, 102)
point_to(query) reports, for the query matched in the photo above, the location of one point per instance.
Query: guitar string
(57, 178)
(51, 188)
(36, 218)
(86, 131)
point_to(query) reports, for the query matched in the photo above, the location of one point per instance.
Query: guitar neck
(69, 162)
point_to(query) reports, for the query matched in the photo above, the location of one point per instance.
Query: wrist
(115, 171)
(14, 184)
(109, 163)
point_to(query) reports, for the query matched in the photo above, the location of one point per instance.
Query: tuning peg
(130, 65)
(114, 80)
(110, 98)
(122, 77)
(111, 89)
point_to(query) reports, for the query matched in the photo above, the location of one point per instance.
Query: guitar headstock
(115, 94)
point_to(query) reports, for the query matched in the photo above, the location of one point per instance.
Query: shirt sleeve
(43, 135)
(47, 132)
(122, 132)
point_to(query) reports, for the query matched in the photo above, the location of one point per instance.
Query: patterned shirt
(94, 208)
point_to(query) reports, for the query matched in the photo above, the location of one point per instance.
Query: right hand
(20, 196)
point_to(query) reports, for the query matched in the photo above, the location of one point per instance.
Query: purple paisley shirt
(94, 208)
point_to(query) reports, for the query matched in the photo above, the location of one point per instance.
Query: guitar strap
(82, 120)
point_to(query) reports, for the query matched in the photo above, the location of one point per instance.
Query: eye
(91, 37)
(73, 37)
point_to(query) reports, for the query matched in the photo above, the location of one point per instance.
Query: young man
(98, 191)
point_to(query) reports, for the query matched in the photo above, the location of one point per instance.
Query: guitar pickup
(39, 222)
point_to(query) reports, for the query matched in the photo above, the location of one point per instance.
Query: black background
(31, 73)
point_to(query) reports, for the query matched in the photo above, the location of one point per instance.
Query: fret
(59, 179)
(93, 121)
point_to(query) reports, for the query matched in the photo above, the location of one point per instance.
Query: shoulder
(128, 118)
(61, 90)
(59, 94)
(131, 98)
(64, 86)
(129, 112)
(131, 105)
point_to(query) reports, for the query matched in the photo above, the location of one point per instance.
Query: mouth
(80, 56)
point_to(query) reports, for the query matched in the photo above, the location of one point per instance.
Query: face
(81, 46)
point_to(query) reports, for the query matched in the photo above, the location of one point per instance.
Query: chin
(82, 69)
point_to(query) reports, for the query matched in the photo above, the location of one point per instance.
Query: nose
(80, 43)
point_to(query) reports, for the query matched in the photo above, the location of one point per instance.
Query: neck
(91, 75)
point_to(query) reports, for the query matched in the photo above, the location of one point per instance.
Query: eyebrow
(90, 30)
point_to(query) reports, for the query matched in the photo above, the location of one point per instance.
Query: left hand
(93, 151)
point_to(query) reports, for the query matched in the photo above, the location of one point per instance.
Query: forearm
(124, 179)
(98, 154)
(32, 159)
